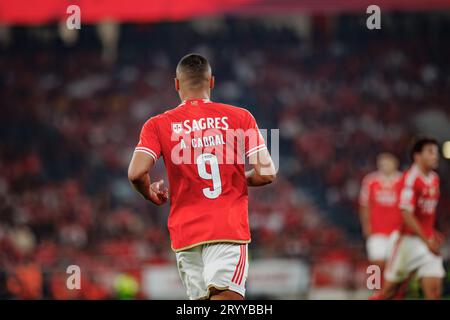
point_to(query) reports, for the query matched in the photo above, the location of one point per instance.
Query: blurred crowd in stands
(69, 124)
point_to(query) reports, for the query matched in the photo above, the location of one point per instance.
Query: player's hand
(158, 194)
(434, 244)
(439, 237)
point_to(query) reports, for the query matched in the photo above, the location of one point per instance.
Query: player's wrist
(148, 197)
(433, 245)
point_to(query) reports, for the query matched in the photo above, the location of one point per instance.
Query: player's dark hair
(195, 67)
(418, 144)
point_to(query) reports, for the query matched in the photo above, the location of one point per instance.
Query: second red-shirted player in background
(203, 146)
(415, 247)
(379, 212)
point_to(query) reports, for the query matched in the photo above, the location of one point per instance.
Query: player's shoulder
(157, 118)
(434, 175)
(169, 112)
(239, 111)
(371, 177)
(151, 124)
(153, 119)
(398, 176)
(411, 175)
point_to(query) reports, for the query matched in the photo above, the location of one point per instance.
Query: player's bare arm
(139, 177)
(263, 171)
(411, 221)
(364, 213)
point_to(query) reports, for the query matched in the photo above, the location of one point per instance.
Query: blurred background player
(208, 220)
(379, 212)
(415, 248)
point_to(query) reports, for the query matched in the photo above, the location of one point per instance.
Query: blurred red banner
(44, 11)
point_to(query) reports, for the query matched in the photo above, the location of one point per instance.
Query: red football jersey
(380, 195)
(420, 195)
(204, 145)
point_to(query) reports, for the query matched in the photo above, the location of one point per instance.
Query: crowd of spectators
(70, 122)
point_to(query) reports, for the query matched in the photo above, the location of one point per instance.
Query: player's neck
(387, 175)
(387, 178)
(425, 171)
(195, 96)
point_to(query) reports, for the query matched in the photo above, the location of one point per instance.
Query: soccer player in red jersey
(204, 145)
(415, 248)
(379, 211)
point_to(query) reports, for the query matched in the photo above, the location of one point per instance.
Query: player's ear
(211, 82)
(177, 84)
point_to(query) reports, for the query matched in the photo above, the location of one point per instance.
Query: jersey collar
(427, 178)
(187, 101)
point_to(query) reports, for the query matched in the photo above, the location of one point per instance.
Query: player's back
(203, 145)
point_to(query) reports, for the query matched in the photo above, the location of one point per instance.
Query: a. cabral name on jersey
(202, 142)
(188, 126)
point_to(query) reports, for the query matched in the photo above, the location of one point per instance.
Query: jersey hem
(380, 233)
(212, 285)
(210, 241)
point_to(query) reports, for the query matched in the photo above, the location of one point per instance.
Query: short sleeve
(408, 195)
(254, 141)
(148, 140)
